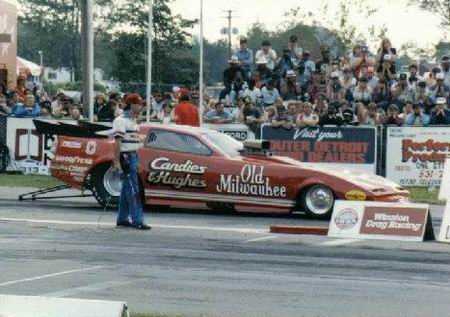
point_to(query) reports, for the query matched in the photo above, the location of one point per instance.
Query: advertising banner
(336, 147)
(29, 150)
(379, 220)
(415, 156)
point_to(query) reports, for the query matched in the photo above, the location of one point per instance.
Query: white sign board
(415, 155)
(33, 306)
(29, 150)
(381, 221)
(236, 130)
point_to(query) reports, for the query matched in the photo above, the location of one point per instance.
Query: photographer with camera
(305, 69)
(289, 88)
(362, 92)
(401, 92)
(386, 53)
(285, 63)
(335, 91)
(440, 114)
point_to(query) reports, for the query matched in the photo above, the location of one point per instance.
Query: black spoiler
(81, 129)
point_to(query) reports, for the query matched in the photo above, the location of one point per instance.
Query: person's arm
(119, 134)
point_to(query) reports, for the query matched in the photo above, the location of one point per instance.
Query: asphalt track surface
(209, 264)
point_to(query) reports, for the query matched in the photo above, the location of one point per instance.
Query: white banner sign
(238, 131)
(380, 220)
(415, 155)
(29, 150)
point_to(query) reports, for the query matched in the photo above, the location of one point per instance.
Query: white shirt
(271, 57)
(126, 128)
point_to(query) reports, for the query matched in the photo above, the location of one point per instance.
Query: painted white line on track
(41, 277)
(335, 243)
(111, 224)
(261, 239)
(87, 289)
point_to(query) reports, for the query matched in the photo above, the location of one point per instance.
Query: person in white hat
(231, 73)
(264, 73)
(289, 87)
(440, 89)
(440, 115)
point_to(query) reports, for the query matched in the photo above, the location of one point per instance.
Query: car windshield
(225, 143)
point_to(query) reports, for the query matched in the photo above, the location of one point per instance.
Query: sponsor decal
(427, 151)
(238, 135)
(91, 148)
(178, 175)
(355, 195)
(317, 134)
(73, 160)
(346, 219)
(399, 221)
(71, 144)
(70, 168)
(251, 181)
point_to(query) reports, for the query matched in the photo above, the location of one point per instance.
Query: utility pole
(149, 59)
(229, 30)
(229, 17)
(87, 37)
(201, 88)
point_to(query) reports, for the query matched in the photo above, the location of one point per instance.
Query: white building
(64, 75)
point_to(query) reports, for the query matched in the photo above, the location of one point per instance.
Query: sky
(405, 23)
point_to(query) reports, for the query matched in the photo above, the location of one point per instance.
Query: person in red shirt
(185, 113)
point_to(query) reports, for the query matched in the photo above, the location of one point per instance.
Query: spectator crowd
(287, 89)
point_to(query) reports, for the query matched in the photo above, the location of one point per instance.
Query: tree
(52, 27)
(342, 20)
(441, 8)
(170, 39)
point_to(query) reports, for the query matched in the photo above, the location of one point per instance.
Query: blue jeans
(130, 204)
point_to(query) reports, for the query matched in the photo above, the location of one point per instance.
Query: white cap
(440, 76)
(290, 73)
(441, 101)
(176, 89)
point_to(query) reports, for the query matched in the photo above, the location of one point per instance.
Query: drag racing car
(196, 168)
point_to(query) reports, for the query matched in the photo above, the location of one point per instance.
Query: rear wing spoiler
(81, 129)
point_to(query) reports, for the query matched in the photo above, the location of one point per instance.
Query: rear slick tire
(106, 186)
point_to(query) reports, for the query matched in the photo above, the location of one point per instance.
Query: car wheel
(318, 201)
(106, 185)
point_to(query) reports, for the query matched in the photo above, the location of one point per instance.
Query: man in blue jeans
(128, 142)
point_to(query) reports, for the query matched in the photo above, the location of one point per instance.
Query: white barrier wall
(415, 155)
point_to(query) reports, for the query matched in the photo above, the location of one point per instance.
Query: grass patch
(423, 195)
(19, 180)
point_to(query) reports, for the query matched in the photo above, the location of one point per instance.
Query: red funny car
(194, 167)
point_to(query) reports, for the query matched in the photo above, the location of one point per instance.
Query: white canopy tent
(26, 67)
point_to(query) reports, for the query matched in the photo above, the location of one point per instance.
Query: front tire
(318, 201)
(106, 185)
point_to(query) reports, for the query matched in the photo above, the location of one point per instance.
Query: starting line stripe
(41, 277)
(111, 224)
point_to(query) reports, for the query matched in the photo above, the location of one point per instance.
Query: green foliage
(52, 27)
(170, 44)
(441, 8)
